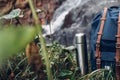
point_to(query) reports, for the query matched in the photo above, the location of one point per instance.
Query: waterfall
(74, 16)
(59, 16)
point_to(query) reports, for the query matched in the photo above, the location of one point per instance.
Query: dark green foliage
(63, 65)
(18, 66)
(14, 39)
(100, 74)
(63, 62)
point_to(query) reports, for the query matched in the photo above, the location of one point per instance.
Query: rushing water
(59, 16)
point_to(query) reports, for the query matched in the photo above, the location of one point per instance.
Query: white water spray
(59, 16)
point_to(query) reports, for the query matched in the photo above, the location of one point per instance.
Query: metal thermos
(81, 49)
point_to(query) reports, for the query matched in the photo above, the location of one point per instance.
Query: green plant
(63, 62)
(100, 74)
(17, 68)
(63, 65)
(14, 39)
(43, 45)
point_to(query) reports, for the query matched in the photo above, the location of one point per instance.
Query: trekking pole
(81, 49)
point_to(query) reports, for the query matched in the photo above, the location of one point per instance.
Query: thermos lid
(79, 38)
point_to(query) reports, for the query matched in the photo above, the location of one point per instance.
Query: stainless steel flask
(81, 49)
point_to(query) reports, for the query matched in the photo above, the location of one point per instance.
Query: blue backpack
(105, 40)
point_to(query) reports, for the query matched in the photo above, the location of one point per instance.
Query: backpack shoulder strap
(118, 50)
(98, 60)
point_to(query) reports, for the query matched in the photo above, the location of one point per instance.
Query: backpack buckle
(118, 45)
(118, 63)
(98, 61)
(97, 44)
(118, 22)
(103, 19)
(117, 36)
(99, 33)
